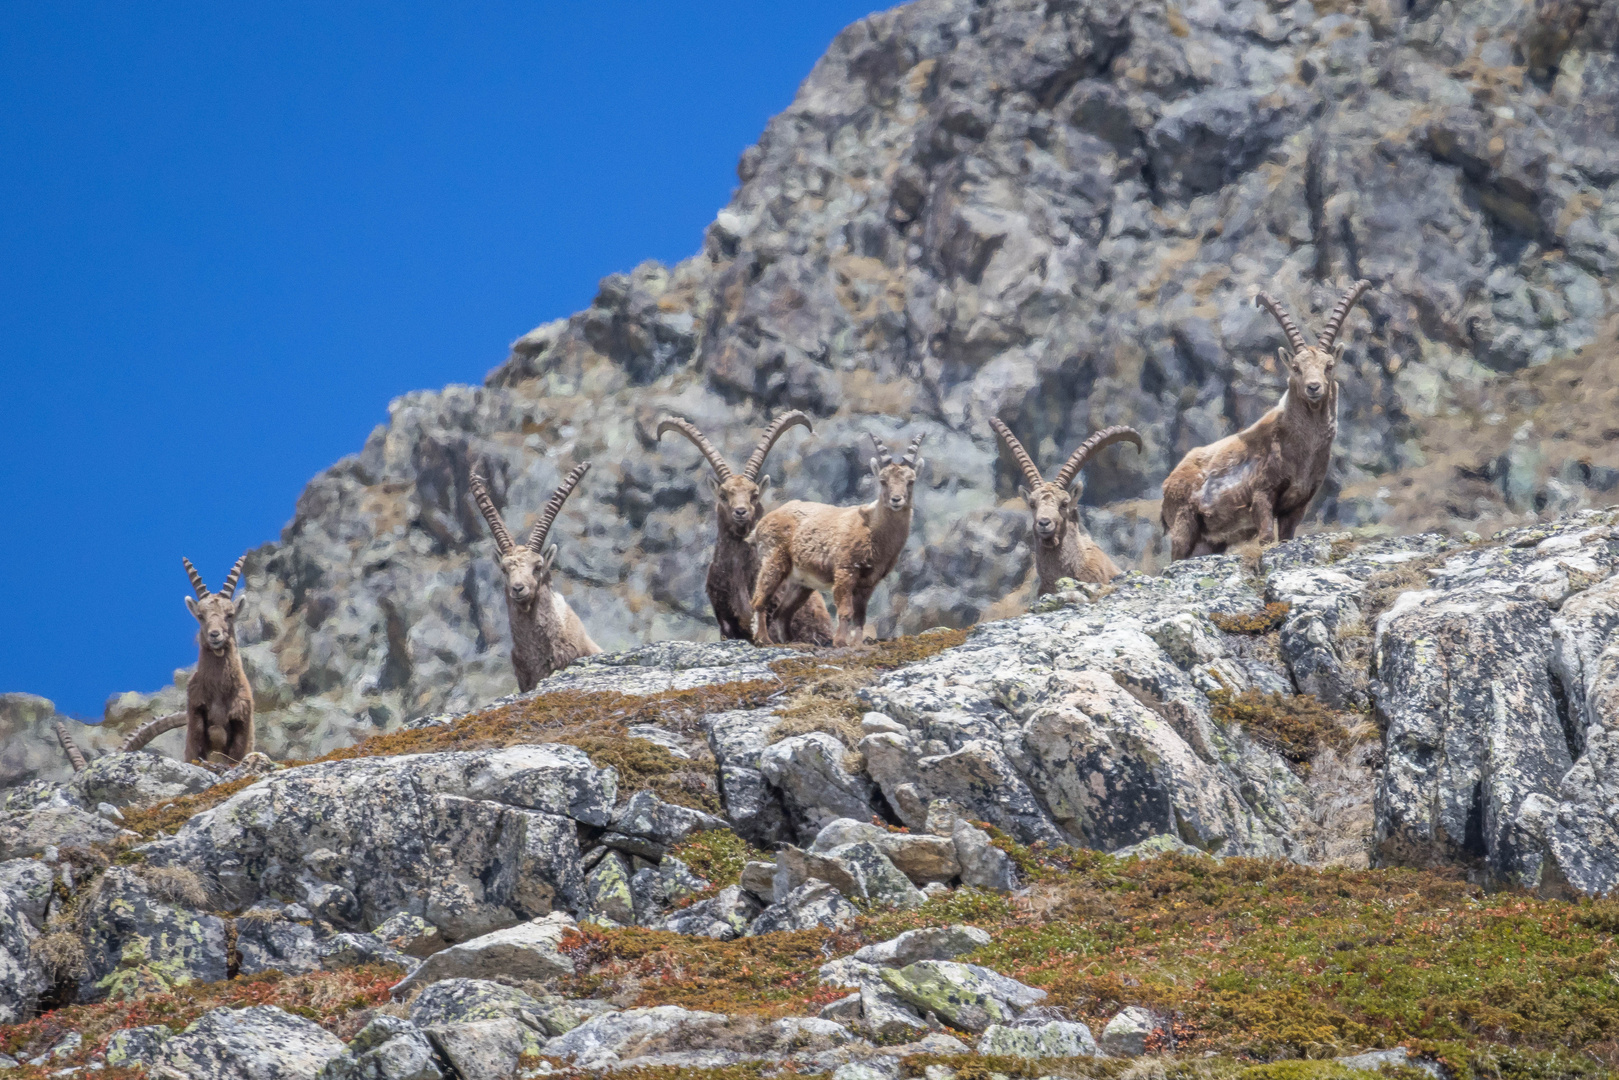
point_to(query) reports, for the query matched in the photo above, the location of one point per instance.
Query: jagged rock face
(1056, 214)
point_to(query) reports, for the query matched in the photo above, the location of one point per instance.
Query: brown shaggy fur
(1258, 483)
(219, 699)
(846, 549)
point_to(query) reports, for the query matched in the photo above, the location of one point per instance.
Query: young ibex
(1259, 482)
(735, 565)
(846, 549)
(546, 634)
(1063, 548)
(219, 699)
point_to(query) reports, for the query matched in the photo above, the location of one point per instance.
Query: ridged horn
(1104, 438)
(553, 506)
(486, 506)
(1274, 306)
(1335, 323)
(778, 427)
(1031, 474)
(884, 458)
(196, 579)
(910, 459)
(229, 588)
(74, 754)
(688, 429)
(151, 730)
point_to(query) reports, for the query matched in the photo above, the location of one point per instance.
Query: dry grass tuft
(1257, 622)
(60, 953)
(175, 885)
(1297, 726)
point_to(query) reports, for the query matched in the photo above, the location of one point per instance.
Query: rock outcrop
(1054, 215)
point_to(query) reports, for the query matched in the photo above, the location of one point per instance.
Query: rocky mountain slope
(1351, 790)
(1052, 213)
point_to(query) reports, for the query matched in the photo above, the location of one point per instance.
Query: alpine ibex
(847, 549)
(219, 699)
(1259, 482)
(735, 566)
(1063, 548)
(546, 634)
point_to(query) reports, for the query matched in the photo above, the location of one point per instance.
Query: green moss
(718, 856)
(1297, 726)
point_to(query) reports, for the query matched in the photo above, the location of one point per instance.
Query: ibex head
(896, 480)
(738, 494)
(1055, 502)
(216, 612)
(1310, 368)
(527, 568)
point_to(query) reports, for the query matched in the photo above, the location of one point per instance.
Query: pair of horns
(229, 589)
(1335, 322)
(909, 460)
(542, 527)
(756, 460)
(1076, 461)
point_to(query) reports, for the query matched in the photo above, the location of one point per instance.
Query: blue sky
(230, 234)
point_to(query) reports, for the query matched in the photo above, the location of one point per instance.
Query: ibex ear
(191, 606)
(764, 483)
(713, 483)
(921, 463)
(1023, 493)
(548, 558)
(1338, 351)
(1284, 356)
(876, 469)
(241, 598)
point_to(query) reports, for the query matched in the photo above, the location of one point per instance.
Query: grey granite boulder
(460, 1001)
(920, 856)
(257, 1043)
(139, 780)
(816, 787)
(484, 1049)
(724, 916)
(1055, 1038)
(815, 903)
(964, 996)
(928, 943)
(527, 951)
(611, 1038)
(607, 891)
(21, 981)
(266, 942)
(136, 942)
(1126, 1034)
(664, 824)
(470, 841)
(387, 1048)
(27, 884)
(32, 832)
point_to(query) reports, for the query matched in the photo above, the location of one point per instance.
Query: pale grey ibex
(219, 699)
(1259, 482)
(546, 634)
(735, 566)
(1062, 546)
(847, 549)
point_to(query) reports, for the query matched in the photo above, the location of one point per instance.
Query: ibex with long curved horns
(219, 699)
(1062, 546)
(1259, 482)
(735, 566)
(546, 634)
(847, 549)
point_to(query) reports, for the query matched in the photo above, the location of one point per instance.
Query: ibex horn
(1031, 475)
(777, 428)
(1335, 323)
(73, 753)
(230, 579)
(553, 506)
(196, 579)
(1272, 305)
(910, 452)
(1104, 438)
(688, 429)
(486, 505)
(151, 730)
(883, 456)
